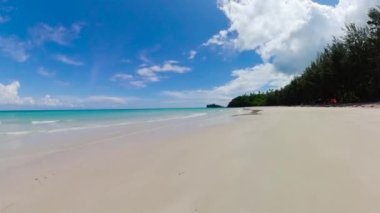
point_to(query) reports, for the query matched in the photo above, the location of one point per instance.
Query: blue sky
(141, 53)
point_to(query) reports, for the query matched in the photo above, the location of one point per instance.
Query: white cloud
(14, 48)
(150, 73)
(99, 101)
(68, 60)
(288, 33)
(121, 77)
(44, 72)
(9, 95)
(50, 101)
(245, 80)
(146, 74)
(253, 79)
(219, 39)
(196, 97)
(59, 34)
(192, 54)
(130, 79)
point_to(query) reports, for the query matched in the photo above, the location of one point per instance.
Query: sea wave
(87, 127)
(18, 133)
(195, 115)
(45, 122)
(65, 128)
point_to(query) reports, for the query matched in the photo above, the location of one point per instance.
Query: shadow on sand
(252, 112)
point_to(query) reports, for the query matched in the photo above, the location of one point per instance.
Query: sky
(159, 53)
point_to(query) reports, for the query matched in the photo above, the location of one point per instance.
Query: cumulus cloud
(68, 60)
(286, 34)
(45, 73)
(50, 101)
(150, 73)
(100, 101)
(97, 101)
(220, 39)
(252, 79)
(198, 97)
(14, 48)
(147, 74)
(59, 34)
(192, 54)
(244, 81)
(9, 95)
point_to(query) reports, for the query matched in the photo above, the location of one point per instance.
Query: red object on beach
(332, 101)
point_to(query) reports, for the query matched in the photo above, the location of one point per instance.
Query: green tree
(348, 70)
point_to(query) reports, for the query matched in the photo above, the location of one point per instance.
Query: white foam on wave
(66, 129)
(94, 126)
(18, 133)
(86, 127)
(44, 122)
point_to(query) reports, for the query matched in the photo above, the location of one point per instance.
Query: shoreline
(285, 159)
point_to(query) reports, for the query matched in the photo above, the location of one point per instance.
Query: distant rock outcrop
(214, 106)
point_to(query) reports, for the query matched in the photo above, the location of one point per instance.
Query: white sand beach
(282, 160)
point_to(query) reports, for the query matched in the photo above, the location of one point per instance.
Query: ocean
(13, 123)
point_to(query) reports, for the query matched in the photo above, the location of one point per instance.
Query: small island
(214, 106)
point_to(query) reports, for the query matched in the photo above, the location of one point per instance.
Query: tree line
(346, 71)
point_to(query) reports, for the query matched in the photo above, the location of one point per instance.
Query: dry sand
(278, 160)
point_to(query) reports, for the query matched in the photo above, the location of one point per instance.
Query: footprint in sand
(42, 179)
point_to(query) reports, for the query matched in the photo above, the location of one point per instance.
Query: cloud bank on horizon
(9, 96)
(287, 35)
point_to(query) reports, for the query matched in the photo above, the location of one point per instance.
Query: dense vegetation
(214, 106)
(347, 71)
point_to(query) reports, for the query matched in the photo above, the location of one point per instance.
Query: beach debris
(253, 112)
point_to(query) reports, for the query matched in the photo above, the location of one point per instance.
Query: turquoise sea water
(26, 122)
